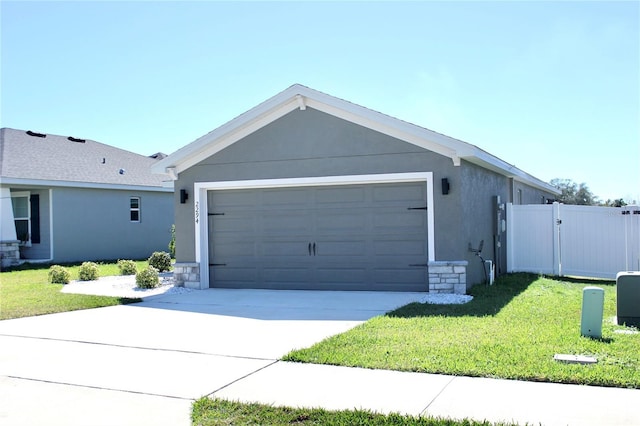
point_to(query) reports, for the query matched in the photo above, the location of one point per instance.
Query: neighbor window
(134, 209)
(22, 216)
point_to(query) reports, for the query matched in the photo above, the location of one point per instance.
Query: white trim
(200, 190)
(27, 195)
(50, 224)
(71, 184)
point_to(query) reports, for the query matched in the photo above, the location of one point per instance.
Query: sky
(552, 87)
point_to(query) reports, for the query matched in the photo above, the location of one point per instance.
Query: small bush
(59, 275)
(147, 278)
(88, 271)
(161, 260)
(127, 267)
(172, 243)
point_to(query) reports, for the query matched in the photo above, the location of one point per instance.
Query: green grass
(510, 330)
(209, 412)
(25, 291)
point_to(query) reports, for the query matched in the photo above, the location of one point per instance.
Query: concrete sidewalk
(341, 388)
(146, 363)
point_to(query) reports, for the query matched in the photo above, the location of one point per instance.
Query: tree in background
(580, 194)
(573, 193)
(619, 202)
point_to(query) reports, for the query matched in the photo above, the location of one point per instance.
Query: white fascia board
(488, 161)
(230, 132)
(88, 185)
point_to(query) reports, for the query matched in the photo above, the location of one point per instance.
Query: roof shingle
(74, 160)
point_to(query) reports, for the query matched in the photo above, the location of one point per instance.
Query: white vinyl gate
(586, 241)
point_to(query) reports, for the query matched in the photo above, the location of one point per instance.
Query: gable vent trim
(35, 134)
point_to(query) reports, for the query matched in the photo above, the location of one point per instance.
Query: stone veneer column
(448, 276)
(9, 253)
(187, 275)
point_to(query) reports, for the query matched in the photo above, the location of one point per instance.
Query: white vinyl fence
(584, 241)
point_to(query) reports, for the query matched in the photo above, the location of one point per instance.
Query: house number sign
(197, 205)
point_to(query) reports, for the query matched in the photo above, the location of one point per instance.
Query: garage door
(348, 237)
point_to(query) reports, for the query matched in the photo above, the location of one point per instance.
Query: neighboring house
(308, 191)
(65, 199)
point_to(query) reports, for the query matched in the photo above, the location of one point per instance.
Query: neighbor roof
(33, 158)
(299, 96)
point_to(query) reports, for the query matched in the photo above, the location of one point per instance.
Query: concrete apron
(146, 363)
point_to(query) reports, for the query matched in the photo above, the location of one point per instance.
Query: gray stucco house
(65, 199)
(308, 191)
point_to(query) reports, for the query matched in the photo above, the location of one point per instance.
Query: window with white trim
(134, 209)
(22, 216)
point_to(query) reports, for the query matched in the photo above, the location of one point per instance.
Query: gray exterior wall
(94, 224)
(310, 143)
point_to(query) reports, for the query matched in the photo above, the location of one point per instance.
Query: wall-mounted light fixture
(183, 196)
(445, 186)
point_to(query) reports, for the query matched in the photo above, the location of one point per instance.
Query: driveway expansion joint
(98, 388)
(424, 411)
(242, 378)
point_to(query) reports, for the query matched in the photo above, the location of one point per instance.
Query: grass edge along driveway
(510, 330)
(26, 291)
(209, 412)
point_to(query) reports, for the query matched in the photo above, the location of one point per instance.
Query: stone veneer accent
(448, 276)
(9, 253)
(187, 275)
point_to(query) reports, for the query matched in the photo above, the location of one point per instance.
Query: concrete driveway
(146, 363)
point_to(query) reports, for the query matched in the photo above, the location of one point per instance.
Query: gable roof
(299, 96)
(32, 158)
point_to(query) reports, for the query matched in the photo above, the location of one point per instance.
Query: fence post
(557, 240)
(510, 236)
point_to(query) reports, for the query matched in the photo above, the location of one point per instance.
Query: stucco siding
(95, 224)
(480, 188)
(311, 143)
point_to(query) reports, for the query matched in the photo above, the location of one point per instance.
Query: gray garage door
(354, 237)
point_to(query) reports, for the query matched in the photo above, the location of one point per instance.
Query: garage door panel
(244, 274)
(345, 196)
(236, 225)
(399, 194)
(395, 221)
(230, 248)
(285, 223)
(345, 277)
(284, 248)
(337, 249)
(290, 275)
(399, 248)
(284, 198)
(334, 221)
(232, 200)
(400, 275)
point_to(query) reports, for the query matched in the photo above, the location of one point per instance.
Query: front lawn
(26, 292)
(510, 330)
(209, 412)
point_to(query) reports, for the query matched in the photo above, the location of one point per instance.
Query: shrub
(59, 275)
(88, 271)
(147, 278)
(161, 260)
(172, 243)
(127, 267)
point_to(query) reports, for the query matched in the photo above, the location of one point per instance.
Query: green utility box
(628, 298)
(592, 311)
